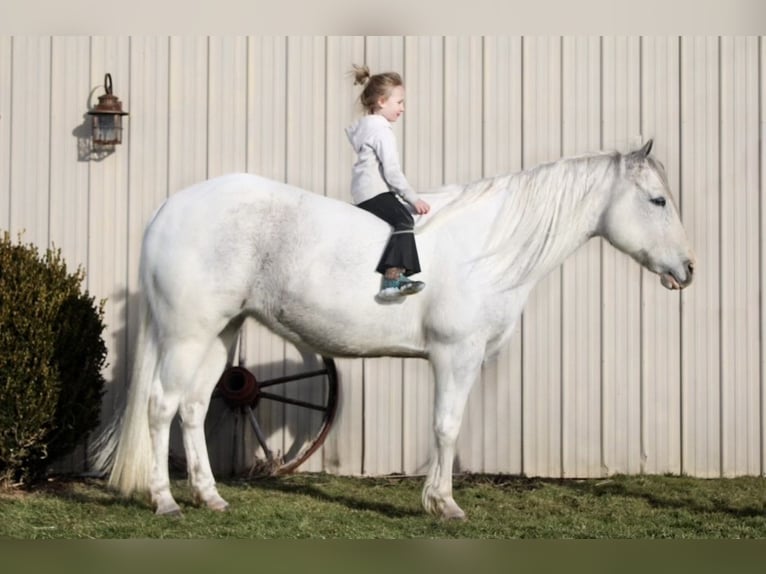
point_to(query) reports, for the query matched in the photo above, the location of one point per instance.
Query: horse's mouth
(670, 281)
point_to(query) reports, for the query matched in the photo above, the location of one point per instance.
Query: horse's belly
(347, 327)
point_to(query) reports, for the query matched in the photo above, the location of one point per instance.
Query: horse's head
(642, 220)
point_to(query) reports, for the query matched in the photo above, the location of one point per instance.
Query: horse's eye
(658, 201)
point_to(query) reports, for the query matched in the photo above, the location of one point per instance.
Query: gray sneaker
(409, 287)
(389, 290)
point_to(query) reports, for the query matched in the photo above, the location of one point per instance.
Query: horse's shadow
(315, 492)
(232, 446)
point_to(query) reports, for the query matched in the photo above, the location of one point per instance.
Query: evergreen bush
(51, 360)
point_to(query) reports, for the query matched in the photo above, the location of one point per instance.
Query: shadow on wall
(85, 150)
(232, 445)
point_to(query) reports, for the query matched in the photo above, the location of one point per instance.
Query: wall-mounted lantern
(106, 117)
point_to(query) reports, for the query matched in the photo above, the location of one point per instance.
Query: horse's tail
(125, 449)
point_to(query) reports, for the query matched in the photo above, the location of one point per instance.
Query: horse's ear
(644, 151)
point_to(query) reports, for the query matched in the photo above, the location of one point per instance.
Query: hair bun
(361, 74)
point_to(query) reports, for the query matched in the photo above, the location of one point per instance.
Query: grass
(324, 506)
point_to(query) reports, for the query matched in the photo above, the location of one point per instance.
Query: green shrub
(51, 358)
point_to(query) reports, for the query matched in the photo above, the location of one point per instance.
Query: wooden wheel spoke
(259, 433)
(290, 378)
(290, 401)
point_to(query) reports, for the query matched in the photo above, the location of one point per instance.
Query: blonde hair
(375, 87)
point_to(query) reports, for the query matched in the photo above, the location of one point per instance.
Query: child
(377, 181)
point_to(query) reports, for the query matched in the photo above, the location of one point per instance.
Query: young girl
(378, 184)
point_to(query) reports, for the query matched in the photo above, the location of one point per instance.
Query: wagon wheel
(240, 390)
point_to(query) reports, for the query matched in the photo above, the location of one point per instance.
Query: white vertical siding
(762, 246)
(621, 277)
(266, 137)
(106, 196)
(147, 136)
(306, 124)
(344, 445)
(541, 324)
(740, 256)
(502, 140)
(463, 114)
(188, 111)
(226, 153)
(423, 162)
(701, 309)
(608, 372)
(581, 273)
(383, 378)
(660, 312)
(6, 47)
(30, 125)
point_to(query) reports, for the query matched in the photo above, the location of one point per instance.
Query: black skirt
(400, 251)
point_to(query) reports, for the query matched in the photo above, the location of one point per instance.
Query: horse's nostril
(690, 267)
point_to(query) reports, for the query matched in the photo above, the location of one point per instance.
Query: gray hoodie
(376, 169)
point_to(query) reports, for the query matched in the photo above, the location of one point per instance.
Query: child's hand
(421, 207)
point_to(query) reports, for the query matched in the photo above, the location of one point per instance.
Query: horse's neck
(546, 215)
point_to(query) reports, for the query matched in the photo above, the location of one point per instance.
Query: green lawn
(324, 506)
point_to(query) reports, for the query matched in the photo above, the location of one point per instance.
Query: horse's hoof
(171, 512)
(219, 505)
(452, 512)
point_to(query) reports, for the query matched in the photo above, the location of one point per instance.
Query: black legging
(400, 250)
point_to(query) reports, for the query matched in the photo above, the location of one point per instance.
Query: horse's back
(300, 263)
(243, 232)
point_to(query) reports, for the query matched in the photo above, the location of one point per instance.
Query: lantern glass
(107, 129)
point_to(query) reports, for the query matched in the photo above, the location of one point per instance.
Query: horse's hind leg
(184, 366)
(193, 409)
(163, 405)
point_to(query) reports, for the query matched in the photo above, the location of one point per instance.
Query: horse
(242, 246)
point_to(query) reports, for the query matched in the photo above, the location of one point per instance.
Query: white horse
(303, 265)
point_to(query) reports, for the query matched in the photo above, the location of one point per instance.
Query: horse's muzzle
(671, 280)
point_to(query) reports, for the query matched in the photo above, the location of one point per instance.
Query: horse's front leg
(456, 368)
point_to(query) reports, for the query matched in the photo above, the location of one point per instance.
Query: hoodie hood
(360, 131)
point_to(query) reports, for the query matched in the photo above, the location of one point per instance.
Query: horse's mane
(533, 205)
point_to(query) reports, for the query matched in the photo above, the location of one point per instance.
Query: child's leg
(400, 254)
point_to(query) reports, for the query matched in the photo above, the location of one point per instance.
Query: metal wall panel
(541, 324)
(306, 124)
(30, 129)
(621, 276)
(423, 162)
(147, 136)
(762, 245)
(106, 193)
(502, 432)
(68, 200)
(383, 378)
(740, 257)
(463, 145)
(6, 55)
(608, 371)
(660, 313)
(581, 273)
(701, 308)
(262, 351)
(344, 445)
(227, 97)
